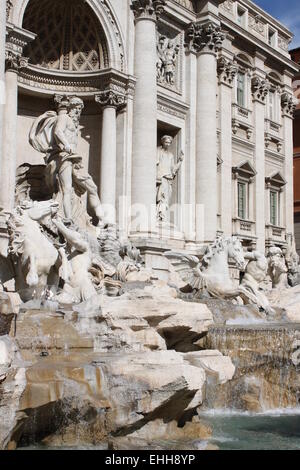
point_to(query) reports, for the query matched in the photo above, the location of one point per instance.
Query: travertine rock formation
(128, 369)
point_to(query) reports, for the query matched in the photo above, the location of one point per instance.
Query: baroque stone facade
(214, 78)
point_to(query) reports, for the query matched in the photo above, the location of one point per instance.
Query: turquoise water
(274, 431)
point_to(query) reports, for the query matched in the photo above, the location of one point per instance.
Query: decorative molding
(260, 89)
(186, 3)
(284, 43)
(14, 62)
(228, 6)
(227, 70)
(288, 104)
(172, 108)
(16, 40)
(9, 6)
(256, 24)
(204, 37)
(147, 9)
(110, 99)
(117, 32)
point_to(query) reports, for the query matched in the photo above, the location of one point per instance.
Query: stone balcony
(243, 115)
(275, 234)
(243, 228)
(273, 128)
(242, 119)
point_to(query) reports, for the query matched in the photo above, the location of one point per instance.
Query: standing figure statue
(167, 171)
(56, 135)
(277, 268)
(167, 52)
(255, 274)
(170, 62)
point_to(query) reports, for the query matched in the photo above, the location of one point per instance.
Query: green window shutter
(242, 202)
(273, 207)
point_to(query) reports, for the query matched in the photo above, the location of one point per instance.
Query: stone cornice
(49, 81)
(16, 40)
(227, 70)
(205, 37)
(257, 43)
(147, 9)
(260, 89)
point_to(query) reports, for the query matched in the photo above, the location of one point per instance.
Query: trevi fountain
(95, 350)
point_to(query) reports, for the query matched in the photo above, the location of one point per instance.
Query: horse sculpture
(211, 274)
(34, 253)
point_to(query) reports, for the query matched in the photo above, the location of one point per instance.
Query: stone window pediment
(276, 180)
(245, 171)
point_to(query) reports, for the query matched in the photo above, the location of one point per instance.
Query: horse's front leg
(32, 277)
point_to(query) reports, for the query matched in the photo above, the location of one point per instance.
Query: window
(272, 110)
(271, 37)
(241, 14)
(274, 206)
(241, 89)
(242, 200)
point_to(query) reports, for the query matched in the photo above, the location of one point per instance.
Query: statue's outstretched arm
(72, 237)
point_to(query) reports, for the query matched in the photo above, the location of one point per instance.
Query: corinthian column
(260, 89)
(288, 105)
(227, 70)
(14, 62)
(3, 13)
(205, 40)
(110, 102)
(143, 192)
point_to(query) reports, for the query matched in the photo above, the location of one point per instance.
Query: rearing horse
(212, 274)
(35, 254)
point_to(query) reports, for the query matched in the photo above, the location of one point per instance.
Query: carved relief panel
(169, 57)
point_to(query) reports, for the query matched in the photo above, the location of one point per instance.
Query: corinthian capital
(148, 9)
(227, 70)
(14, 62)
(260, 89)
(288, 104)
(110, 98)
(204, 36)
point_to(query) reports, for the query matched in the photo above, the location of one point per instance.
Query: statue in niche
(167, 52)
(167, 171)
(56, 135)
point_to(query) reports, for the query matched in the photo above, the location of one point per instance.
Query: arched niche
(105, 20)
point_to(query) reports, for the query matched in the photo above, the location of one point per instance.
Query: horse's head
(236, 252)
(38, 210)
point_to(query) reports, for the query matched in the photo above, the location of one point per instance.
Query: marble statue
(292, 263)
(167, 52)
(167, 171)
(211, 275)
(33, 253)
(277, 268)
(255, 274)
(56, 135)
